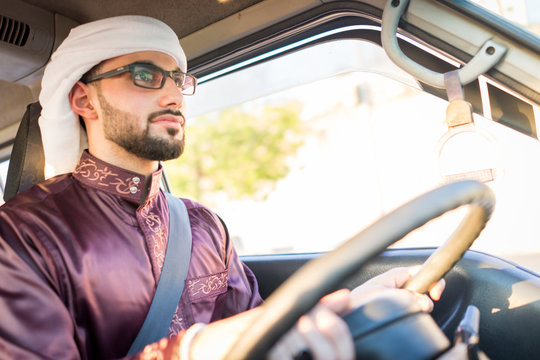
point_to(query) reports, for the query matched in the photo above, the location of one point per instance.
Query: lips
(169, 120)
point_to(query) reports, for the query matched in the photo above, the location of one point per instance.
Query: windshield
(299, 153)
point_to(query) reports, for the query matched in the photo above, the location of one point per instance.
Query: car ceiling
(184, 16)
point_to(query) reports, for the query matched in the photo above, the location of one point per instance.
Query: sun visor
(27, 39)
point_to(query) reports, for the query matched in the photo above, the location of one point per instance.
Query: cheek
(125, 97)
(121, 114)
(184, 106)
(136, 110)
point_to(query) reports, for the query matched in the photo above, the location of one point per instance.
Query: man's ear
(80, 101)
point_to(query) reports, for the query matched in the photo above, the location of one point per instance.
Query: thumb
(338, 301)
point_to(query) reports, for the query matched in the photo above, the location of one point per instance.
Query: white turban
(86, 46)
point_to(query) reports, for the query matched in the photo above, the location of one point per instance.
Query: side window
(299, 153)
(287, 154)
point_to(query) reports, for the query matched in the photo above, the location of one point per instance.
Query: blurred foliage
(242, 154)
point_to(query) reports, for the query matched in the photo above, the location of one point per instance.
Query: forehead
(155, 57)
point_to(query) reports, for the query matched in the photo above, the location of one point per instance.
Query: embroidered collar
(129, 185)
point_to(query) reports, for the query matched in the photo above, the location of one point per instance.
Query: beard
(121, 128)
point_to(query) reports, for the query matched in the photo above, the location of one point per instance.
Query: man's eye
(143, 75)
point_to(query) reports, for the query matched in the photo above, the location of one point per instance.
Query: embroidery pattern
(89, 170)
(157, 234)
(154, 188)
(201, 287)
(176, 323)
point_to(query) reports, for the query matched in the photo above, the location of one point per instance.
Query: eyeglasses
(150, 76)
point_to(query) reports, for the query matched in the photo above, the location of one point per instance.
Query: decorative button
(136, 180)
(133, 189)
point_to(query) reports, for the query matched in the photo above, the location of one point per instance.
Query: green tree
(240, 153)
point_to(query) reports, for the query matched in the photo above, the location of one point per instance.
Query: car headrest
(27, 162)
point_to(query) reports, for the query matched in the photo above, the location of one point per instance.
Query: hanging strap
(172, 278)
(459, 111)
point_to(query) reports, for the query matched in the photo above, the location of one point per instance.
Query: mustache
(173, 112)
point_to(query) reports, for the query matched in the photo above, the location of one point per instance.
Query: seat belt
(27, 161)
(172, 278)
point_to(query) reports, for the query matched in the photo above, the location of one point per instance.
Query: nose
(171, 95)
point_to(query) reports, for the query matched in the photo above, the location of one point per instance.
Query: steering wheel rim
(302, 290)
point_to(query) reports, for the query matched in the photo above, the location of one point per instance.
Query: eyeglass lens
(148, 76)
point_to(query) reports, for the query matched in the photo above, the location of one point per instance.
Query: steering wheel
(302, 290)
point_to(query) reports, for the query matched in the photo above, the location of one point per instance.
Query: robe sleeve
(35, 323)
(243, 290)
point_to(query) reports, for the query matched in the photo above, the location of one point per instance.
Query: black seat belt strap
(172, 278)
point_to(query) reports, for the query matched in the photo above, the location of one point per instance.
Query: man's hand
(393, 280)
(322, 331)
(216, 340)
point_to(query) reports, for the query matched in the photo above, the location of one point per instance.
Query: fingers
(397, 277)
(290, 345)
(402, 275)
(425, 303)
(326, 334)
(436, 290)
(392, 280)
(321, 331)
(338, 301)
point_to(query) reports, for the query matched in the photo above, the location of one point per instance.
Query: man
(82, 252)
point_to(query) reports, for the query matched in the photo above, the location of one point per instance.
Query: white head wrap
(86, 46)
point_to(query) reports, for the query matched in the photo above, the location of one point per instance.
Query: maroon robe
(80, 257)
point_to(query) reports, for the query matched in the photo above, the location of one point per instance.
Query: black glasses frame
(165, 74)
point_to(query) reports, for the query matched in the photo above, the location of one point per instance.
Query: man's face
(148, 123)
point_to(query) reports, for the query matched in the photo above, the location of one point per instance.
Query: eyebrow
(150, 62)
